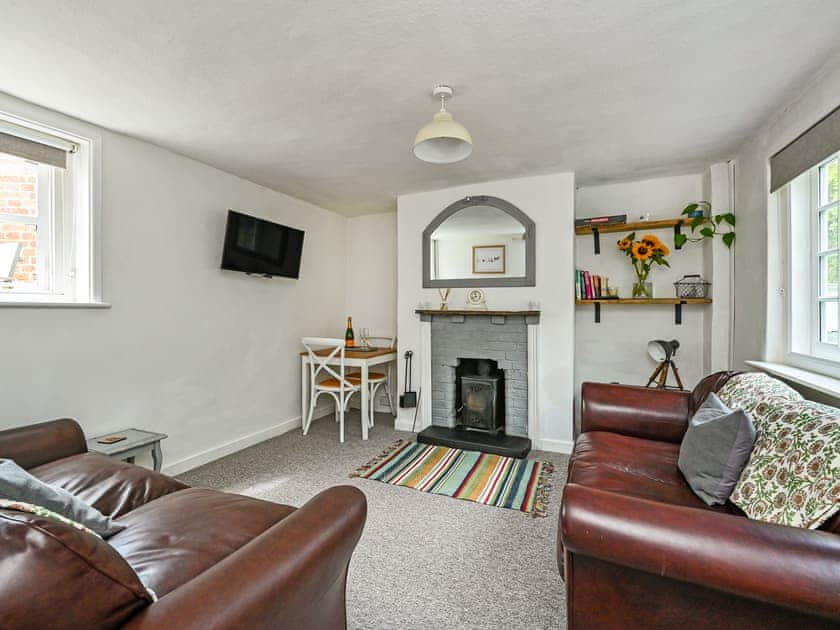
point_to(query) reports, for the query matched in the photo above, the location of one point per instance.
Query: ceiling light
(443, 140)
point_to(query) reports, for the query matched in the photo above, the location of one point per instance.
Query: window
(45, 215)
(827, 252)
(813, 204)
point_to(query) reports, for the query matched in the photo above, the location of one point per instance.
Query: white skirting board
(401, 424)
(211, 454)
(554, 446)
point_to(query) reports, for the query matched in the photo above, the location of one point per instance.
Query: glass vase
(642, 289)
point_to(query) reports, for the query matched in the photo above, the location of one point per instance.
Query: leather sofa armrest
(36, 444)
(654, 414)
(786, 566)
(293, 575)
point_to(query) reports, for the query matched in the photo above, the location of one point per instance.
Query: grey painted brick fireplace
(502, 339)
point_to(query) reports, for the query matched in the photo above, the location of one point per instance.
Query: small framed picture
(489, 259)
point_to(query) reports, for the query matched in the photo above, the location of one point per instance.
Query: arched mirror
(479, 241)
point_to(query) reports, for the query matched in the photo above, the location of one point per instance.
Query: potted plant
(705, 225)
(643, 254)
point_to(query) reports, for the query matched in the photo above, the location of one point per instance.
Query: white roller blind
(809, 149)
(34, 145)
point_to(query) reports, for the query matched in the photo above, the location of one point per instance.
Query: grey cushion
(715, 449)
(19, 485)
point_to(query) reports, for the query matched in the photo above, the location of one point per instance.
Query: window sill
(819, 382)
(30, 303)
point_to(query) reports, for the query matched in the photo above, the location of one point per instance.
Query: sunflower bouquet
(643, 254)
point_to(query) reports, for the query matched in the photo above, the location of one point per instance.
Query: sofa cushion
(793, 476)
(61, 577)
(173, 539)
(19, 485)
(715, 449)
(111, 486)
(634, 467)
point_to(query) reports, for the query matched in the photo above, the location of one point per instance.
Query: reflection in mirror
(478, 241)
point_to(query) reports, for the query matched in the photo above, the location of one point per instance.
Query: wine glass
(365, 333)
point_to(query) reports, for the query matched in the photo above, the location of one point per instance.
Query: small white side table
(136, 442)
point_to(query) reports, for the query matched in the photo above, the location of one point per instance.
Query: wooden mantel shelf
(459, 315)
(677, 302)
(474, 311)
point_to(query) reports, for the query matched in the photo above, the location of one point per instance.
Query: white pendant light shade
(444, 140)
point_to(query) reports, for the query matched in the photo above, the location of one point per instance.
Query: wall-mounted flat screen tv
(261, 247)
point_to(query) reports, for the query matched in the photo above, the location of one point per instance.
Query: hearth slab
(507, 445)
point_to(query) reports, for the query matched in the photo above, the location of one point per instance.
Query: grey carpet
(424, 561)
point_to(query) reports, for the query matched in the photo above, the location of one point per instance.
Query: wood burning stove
(480, 396)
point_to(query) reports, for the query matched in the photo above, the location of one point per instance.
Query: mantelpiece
(531, 316)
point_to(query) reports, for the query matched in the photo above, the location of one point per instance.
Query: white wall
(756, 210)
(616, 349)
(371, 272)
(204, 355)
(549, 201)
(371, 281)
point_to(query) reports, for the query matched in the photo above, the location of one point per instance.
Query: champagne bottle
(349, 338)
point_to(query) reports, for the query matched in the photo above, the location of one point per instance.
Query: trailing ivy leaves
(709, 225)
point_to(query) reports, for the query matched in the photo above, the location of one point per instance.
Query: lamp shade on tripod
(663, 353)
(661, 350)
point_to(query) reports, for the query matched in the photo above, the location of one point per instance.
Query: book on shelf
(612, 219)
(591, 286)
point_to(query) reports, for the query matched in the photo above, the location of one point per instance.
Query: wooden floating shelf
(631, 227)
(642, 226)
(677, 303)
(646, 301)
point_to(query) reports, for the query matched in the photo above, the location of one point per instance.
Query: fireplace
(480, 395)
(479, 380)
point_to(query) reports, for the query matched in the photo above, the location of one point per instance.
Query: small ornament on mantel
(444, 298)
(476, 300)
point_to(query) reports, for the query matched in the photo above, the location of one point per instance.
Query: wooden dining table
(362, 359)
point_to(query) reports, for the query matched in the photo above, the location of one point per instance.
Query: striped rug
(505, 482)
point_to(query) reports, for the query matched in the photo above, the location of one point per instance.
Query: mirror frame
(530, 277)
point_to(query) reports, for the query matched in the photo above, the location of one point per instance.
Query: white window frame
(820, 349)
(48, 221)
(74, 278)
(813, 354)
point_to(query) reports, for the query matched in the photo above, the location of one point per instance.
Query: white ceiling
(322, 99)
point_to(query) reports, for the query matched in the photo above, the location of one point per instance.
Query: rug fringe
(361, 470)
(543, 491)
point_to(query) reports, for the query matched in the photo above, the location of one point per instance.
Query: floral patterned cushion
(793, 475)
(750, 389)
(21, 506)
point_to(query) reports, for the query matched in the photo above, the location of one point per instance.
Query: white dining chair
(338, 384)
(377, 379)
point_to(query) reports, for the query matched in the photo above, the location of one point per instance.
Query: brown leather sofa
(214, 560)
(639, 549)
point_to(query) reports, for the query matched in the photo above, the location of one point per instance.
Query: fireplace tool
(409, 398)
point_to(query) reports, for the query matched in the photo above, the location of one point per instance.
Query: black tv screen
(261, 247)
